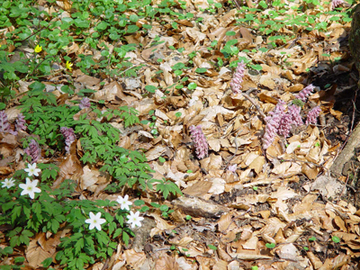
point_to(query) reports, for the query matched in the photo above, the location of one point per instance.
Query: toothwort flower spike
(272, 123)
(124, 202)
(33, 150)
(238, 78)
(69, 136)
(30, 188)
(336, 3)
(294, 112)
(313, 115)
(285, 125)
(95, 221)
(4, 123)
(292, 117)
(20, 123)
(84, 103)
(303, 94)
(200, 144)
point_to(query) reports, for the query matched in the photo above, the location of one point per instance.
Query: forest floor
(243, 206)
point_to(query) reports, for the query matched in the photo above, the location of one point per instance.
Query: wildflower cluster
(5, 126)
(280, 122)
(29, 209)
(134, 219)
(200, 144)
(30, 188)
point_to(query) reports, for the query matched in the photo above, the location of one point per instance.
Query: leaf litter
(265, 209)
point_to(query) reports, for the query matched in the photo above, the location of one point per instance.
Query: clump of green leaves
(166, 187)
(55, 210)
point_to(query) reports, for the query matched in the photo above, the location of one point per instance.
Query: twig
(262, 115)
(106, 264)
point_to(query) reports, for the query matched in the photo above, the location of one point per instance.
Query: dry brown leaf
(199, 189)
(40, 249)
(70, 168)
(220, 265)
(224, 222)
(166, 262)
(161, 224)
(135, 259)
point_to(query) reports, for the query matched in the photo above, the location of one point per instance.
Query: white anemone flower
(8, 183)
(134, 219)
(32, 170)
(124, 202)
(30, 188)
(95, 221)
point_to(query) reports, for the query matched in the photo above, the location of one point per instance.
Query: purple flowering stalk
(4, 123)
(200, 143)
(20, 123)
(272, 123)
(279, 122)
(292, 117)
(33, 150)
(303, 94)
(69, 136)
(313, 115)
(238, 78)
(84, 103)
(336, 3)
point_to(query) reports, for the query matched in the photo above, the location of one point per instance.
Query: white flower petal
(95, 221)
(30, 188)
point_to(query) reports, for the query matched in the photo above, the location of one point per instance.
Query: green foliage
(212, 247)
(49, 172)
(270, 245)
(335, 239)
(165, 210)
(313, 238)
(166, 187)
(48, 211)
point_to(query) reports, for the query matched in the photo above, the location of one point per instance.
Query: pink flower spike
(272, 123)
(20, 123)
(200, 144)
(313, 115)
(84, 103)
(303, 94)
(294, 112)
(285, 125)
(33, 150)
(238, 78)
(336, 3)
(69, 136)
(4, 123)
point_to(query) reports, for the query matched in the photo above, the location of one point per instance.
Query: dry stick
(254, 103)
